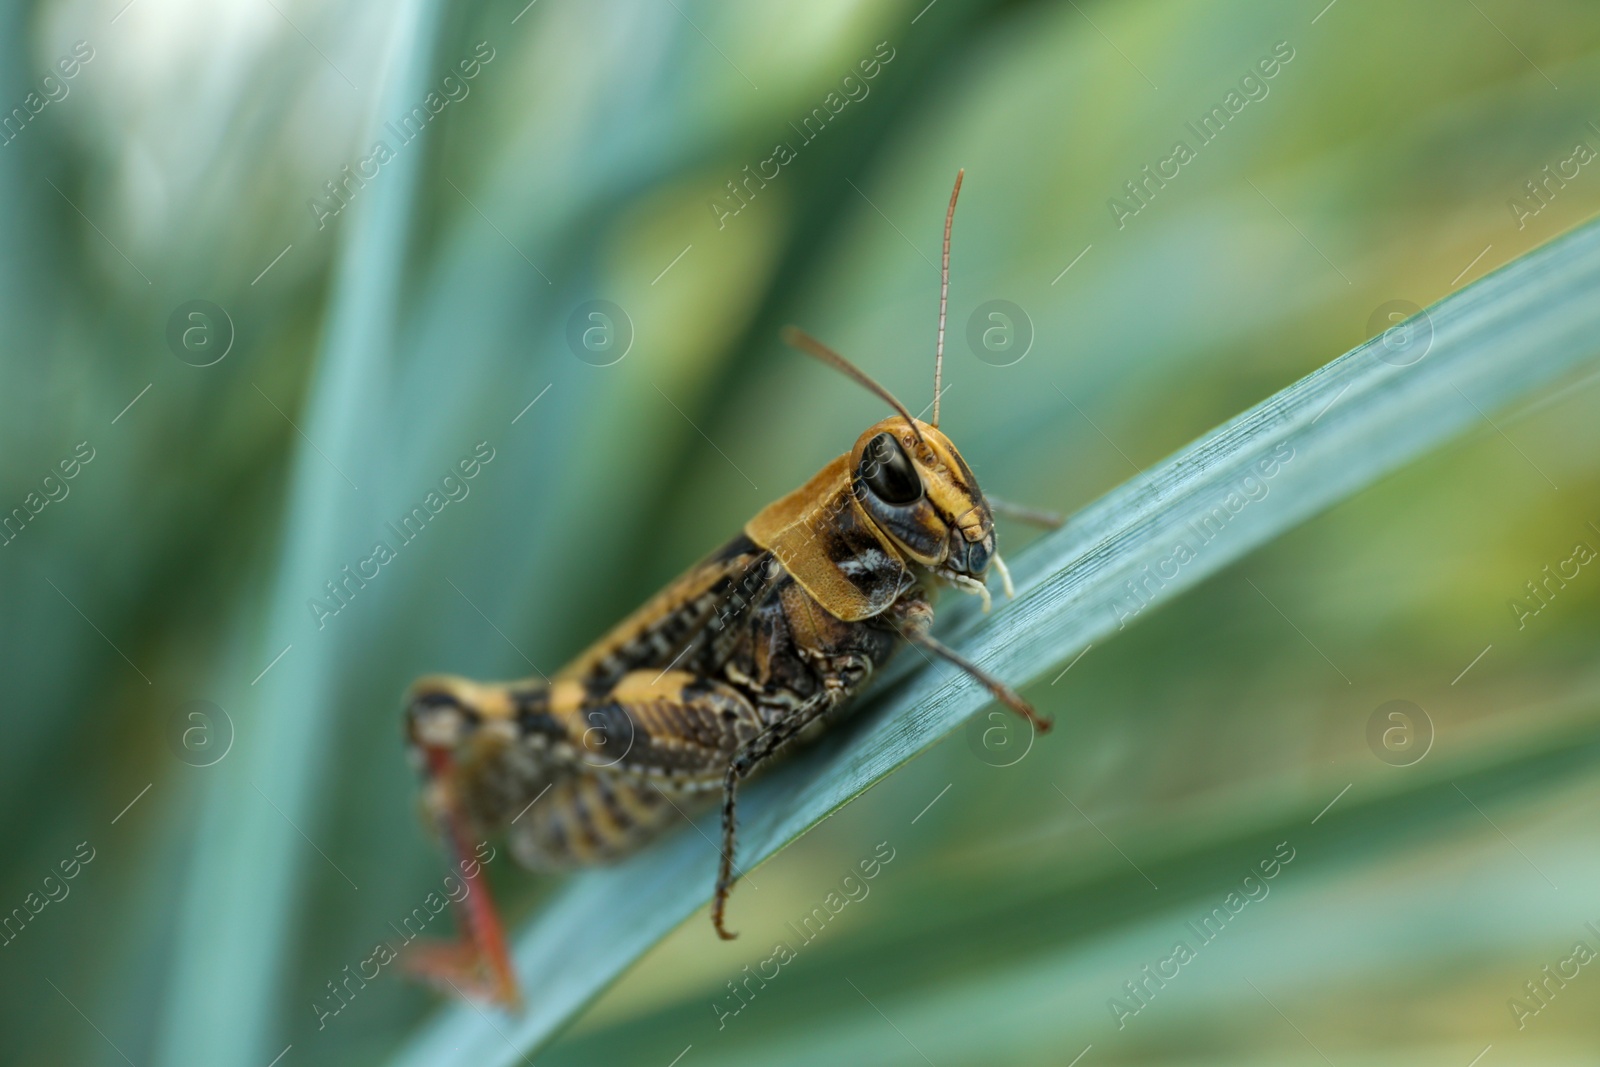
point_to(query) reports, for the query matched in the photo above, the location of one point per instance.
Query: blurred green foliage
(378, 351)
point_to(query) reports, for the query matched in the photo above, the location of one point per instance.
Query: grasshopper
(756, 648)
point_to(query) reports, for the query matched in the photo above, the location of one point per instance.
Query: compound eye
(888, 471)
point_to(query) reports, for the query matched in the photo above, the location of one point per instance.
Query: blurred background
(255, 339)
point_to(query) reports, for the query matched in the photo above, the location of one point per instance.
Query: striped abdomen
(576, 774)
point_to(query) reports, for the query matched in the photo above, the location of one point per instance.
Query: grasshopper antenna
(795, 337)
(944, 296)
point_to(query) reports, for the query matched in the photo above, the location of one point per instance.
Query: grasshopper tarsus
(725, 868)
(460, 967)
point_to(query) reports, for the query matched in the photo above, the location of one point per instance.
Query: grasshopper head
(920, 494)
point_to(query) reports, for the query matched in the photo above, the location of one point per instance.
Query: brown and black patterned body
(591, 764)
(757, 647)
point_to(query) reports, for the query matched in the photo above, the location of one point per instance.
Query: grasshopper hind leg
(479, 963)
